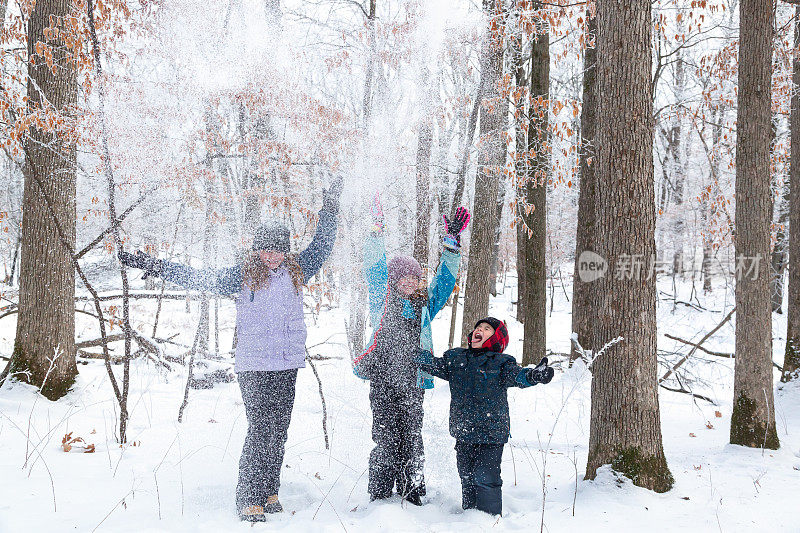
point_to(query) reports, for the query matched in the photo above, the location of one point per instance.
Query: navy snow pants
(268, 400)
(479, 469)
(398, 456)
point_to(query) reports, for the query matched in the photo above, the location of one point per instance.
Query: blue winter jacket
(270, 324)
(391, 356)
(479, 380)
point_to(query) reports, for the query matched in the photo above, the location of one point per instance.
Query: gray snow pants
(398, 455)
(268, 400)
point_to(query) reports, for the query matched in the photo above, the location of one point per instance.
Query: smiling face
(271, 258)
(407, 285)
(482, 332)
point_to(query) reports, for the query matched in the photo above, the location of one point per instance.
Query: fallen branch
(690, 343)
(684, 391)
(99, 342)
(695, 347)
(91, 355)
(322, 357)
(143, 296)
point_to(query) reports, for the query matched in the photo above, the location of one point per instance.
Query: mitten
(142, 261)
(541, 373)
(455, 226)
(424, 357)
(330, 196)
(376, 210)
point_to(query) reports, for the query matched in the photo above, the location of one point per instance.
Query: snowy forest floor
(182, 477)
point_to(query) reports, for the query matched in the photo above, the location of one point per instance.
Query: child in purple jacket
(271, 334)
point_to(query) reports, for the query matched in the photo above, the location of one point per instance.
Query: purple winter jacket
(270, 326)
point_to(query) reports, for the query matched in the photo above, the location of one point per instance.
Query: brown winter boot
(273, 505)
(252, 513)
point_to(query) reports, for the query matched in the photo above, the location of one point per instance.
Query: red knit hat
(498, 341)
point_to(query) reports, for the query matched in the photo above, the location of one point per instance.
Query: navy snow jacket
(479, 380)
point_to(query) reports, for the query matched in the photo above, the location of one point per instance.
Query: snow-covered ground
(181, 477)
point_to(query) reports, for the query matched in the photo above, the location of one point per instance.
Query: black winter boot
(414, 498)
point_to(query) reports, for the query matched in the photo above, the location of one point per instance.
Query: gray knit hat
(272, 236)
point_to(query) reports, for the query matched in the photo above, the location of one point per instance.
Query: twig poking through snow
(322, 397)
(586, 355)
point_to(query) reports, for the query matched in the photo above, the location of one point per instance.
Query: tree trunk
(583, 300)
(753, 416)
(791, 360)
(498, 231)
(272, 9)
(424, 144)
(367, 100)
(490, 159)
(677, 155)
(521, 165)
(716, 136)
(778, 258)
(533, 237)
(44, 348)
(625, 426)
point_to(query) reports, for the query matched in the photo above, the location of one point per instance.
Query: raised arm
(444, 281)
(376, 274)
(226, 281)
(312, 258)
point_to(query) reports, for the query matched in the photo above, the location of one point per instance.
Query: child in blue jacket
(479, 378)
(401, 314)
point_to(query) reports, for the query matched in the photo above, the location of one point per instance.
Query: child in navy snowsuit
(401, 315)
(271, 338)
(479, 377)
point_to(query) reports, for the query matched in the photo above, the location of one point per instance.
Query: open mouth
(477, 337)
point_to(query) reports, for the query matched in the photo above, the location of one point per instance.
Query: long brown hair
(256, 274)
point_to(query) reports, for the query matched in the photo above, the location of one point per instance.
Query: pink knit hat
(401, 266)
